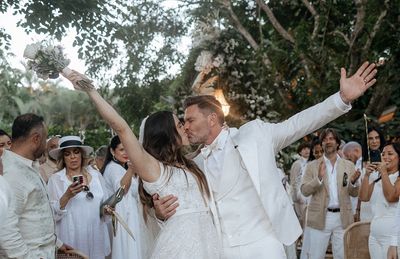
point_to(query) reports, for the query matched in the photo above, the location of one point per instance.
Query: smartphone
(375, 156)
(78, 178)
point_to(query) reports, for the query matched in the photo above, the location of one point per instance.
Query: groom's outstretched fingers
(368, 73)
(166, 206)
(354, 86)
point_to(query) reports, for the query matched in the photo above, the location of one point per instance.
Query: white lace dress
(190, 232)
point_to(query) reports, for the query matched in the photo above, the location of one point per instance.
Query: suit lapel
(339, 175)
(248, 153)
(325, 178)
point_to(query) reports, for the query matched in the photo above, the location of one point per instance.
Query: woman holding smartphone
(76, 192)
(373, 144)
(379, 186)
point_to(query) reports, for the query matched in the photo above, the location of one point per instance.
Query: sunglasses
(89, 194)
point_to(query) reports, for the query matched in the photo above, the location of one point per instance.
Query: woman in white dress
(160, 163)
(381, 186)
(76, 192)
(116, 175)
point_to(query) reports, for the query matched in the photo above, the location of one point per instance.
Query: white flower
(31, 50)
(218, 61)
(204, 61)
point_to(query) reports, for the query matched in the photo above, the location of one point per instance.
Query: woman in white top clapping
(379, 186)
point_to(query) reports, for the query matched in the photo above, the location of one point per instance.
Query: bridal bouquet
(46, 60)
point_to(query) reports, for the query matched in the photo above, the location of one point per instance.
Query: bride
(161, 165)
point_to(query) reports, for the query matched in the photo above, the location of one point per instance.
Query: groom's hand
(353, 87)
(165, 207)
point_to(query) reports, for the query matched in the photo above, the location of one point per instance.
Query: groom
(254, 215)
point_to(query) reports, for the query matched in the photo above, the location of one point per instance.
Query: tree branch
(342, 35)
(314, 13)
(243, 31)
(359, 25)
(376, 28)
(275, 23)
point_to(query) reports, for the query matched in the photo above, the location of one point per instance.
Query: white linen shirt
(29, 230)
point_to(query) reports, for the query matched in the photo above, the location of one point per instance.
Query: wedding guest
(76, 192)
(5, 140)
(100, 156)
(329, 181)
(49, 167)
(295, 180)
(28, 231)
(116, 175)
(380, 186)
(315, 153)
(5, 194)
(316, 150)
(164, 169)
(353, 151)
(373, 144)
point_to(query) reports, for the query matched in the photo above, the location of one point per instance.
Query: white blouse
(79, 224)
(123, 245)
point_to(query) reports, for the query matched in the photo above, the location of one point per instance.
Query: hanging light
(219, 95)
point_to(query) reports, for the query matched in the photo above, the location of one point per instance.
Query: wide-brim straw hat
(68, 142)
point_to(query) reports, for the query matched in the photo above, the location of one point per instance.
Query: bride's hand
(78, 80)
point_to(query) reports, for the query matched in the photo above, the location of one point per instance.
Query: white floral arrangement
(46, 60)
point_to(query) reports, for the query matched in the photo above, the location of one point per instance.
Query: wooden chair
(74, 254)
(356, 241)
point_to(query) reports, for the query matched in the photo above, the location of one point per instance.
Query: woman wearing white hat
(76, 192)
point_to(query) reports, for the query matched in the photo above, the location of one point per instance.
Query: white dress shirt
(332, 181)
(214, 157)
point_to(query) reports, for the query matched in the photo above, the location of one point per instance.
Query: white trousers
(319, 239)
(305, 248)
(267, 247)
(383, 229)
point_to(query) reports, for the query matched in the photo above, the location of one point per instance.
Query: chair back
(356, 241)
(73, 254)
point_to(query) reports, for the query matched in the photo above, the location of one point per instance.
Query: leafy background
(279, 57)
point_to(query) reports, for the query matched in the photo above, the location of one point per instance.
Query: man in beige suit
(330, 181)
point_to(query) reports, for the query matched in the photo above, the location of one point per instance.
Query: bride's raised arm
(147, 166)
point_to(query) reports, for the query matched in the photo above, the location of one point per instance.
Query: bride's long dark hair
(162, 141)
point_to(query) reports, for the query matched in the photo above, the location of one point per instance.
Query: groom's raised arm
(313, 118)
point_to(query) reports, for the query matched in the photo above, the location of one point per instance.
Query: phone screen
(77, 178)
(375, 156)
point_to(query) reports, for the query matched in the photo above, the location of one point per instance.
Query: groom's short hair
(206, 102)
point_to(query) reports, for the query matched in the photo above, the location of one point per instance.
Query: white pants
(305, 248)
(267, 247)
(383, 229)
(319, 239)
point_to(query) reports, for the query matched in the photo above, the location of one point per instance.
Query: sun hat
(67, 142)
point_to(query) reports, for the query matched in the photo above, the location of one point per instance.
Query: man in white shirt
(330, 181)
(353, 152)
(28, 230)
(253, 214)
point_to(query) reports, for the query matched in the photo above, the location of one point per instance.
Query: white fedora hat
(67, 142)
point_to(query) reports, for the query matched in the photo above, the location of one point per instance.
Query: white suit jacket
(258, 142)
